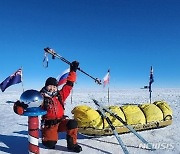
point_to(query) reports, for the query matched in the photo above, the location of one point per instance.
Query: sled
(141, 117)
(123, 129)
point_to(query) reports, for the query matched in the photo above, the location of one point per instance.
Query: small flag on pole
(63, 77)
(106, 78)
(151, 78)
(11, 80)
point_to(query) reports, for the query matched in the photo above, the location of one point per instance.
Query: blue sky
(127, 36)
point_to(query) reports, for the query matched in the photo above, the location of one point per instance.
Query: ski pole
(125, 124)
(54, 54)
(114, 130)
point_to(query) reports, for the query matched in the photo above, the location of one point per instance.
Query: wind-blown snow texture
(13, 128)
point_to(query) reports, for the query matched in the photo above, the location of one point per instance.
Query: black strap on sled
(101, 118)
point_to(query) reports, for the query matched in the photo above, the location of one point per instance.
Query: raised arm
(66, 89)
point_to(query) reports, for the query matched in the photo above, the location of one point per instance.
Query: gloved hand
(74, 66)
(19, 107)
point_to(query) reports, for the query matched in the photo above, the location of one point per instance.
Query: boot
(72, 136)
(49, 144)
(71, 146)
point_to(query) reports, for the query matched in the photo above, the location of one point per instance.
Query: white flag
(106, 78)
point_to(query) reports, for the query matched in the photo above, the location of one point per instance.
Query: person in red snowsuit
(54, 121)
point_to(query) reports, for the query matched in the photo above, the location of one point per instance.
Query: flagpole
(150, 93)
(108, 94)
(22, 79)
(151, 80)
(71, 95)
(108, 84)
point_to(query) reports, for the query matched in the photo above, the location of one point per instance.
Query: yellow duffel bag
(165, 108)
(133, 114)
(151, 112)
(87, 117)
(117, 110)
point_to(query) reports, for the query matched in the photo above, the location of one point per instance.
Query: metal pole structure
(108, 82)
(108, 94)
(150, 96)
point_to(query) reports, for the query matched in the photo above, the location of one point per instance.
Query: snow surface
(14, 134)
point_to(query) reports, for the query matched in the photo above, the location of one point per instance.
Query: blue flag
(12, 79)
(151, 78)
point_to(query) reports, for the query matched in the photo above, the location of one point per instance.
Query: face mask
(51, 93)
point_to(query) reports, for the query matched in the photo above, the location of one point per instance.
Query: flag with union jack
(11, 80)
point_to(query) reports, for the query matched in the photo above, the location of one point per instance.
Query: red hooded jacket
(54, 105)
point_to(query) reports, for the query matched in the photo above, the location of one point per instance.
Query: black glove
(19, 107)
(74, 66)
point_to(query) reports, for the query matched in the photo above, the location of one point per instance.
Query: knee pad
(71, 124)
(49, 144)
